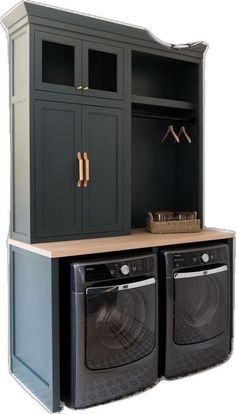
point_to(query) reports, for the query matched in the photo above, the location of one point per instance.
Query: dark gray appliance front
(113, 336)
(197, 309)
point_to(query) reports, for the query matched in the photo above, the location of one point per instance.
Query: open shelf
(171, 113)
(170, 103)
(166, 78)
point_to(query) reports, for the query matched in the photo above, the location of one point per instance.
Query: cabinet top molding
(137, 240)
(34, 13)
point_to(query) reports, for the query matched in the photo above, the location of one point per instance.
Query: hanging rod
(170, 118)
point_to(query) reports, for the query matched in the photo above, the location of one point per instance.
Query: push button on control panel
(125, 270)
(205, 257)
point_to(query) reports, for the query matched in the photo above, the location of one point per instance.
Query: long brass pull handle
(86, 163)
(81, 171)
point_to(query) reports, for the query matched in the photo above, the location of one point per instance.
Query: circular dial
(205, 257)
(124, 270)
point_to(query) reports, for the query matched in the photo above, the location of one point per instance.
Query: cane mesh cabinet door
(103, 196)
(67, 65)
(102, 70)
(57, 196)
(57, 63)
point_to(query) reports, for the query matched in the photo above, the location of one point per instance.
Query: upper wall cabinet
(67, 65)
(90, 102)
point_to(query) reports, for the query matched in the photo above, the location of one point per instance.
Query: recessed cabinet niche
(165, 91)
(67, 65)
(164, 176)
(164, 78)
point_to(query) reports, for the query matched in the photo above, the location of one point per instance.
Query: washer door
(201, 305)
(120, 323)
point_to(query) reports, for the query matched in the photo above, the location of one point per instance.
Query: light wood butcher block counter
(138, 239)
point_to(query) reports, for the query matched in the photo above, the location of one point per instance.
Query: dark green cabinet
(80, 84)
(90, 99)
(67, 65)
(57, 141)
(103, 140)
(62, 209)
(107, 93)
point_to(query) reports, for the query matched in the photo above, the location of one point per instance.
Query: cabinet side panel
(20, 63)
(201, 135)
(20, 169)
(34, 325)
(20, 164)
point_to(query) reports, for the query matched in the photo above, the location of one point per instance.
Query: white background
(177, 22)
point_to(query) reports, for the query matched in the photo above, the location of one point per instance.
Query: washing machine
(195, 309)
(110, 343)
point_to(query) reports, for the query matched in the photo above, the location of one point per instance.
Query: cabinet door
(102, 71)
(57, 63)
(57, 141)
(102, 140)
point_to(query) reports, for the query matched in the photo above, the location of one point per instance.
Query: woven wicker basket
(178, 226)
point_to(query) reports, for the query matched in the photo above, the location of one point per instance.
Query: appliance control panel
(120, 268)
(197, 257)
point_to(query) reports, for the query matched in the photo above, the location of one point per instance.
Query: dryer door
(201, 305)
(120, 324)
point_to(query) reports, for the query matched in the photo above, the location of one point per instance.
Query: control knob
(124, 270)
(205, 257)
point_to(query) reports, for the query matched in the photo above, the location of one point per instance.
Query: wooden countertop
(138, 239)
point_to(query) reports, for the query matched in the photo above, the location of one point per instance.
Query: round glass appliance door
(120, 325)
(200, 307)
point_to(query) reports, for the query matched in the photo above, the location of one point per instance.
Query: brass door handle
(86, 165)
(81, 170)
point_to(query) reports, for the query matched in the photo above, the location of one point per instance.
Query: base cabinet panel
(34, 325)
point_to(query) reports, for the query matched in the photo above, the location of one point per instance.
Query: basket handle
(150, 216)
